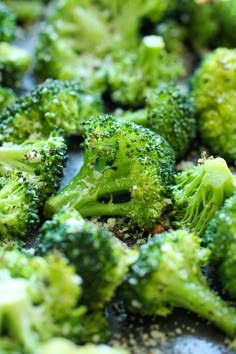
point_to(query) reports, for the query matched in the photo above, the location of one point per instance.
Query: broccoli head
(126, 171)
(220, 239)
(199, 192)
(213, 90)
(7, 97)
(97, 255)
(7, 23)
(168, 274)
(53, 105)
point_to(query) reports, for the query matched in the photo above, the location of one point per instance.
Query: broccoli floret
(7, 97)
(14, 62)
(42, 161)
(170, 113)
(19, 203)
(168, 274)
(126, 171)
(26, 10)
(99, 258)
(7, 24)
(53, 105)
(199, 192)
(213, 90)
(220, 239)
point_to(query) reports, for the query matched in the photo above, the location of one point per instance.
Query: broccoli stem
(108, 209)
(138, 117)
(14, 158)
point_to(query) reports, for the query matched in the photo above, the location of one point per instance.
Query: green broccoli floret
(64, 346)
(213, 90)
(168, 274)
(26, 10)
(132, 77)
(42, 161)
(199, 192)
(170, 113)
(14, 62)
(19, 204)
(7, 24)
(53, 105)
(126, 171)
(7, 97)
(97, 255)
(220, 239)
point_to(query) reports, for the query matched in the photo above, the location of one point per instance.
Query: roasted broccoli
(97, 255)
(132, 77)
(168, 274)
(199, 192)
(7, 97)
(170, 113)
(213, 90)
(126, 171)
(220, 238)
(53, 105)
(7, 24)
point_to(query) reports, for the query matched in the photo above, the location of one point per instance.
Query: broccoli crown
(50, 106)
(220, 239)
(127, 170)
(7, 24)
(19, 202)
(99, 258)
(14, 62)
(7, 97)
(42, 161)
(213, 90)
(199, 192)
(168, 274)
(133, 76)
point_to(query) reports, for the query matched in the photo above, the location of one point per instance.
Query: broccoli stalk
(199, 192)
(168, 274)
(127, 170)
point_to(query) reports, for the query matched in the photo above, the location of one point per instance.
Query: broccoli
(170, 113)
(168, 274)
(213, 90)
(19, 202)
(199, 192)
(7, 97)
(7, 24)
(53, 105)
(98, 257)
(132, 77)
(26, 10)
(41, 161)
(220, 239)
(126, 171)
(64, 346)
(14, 62)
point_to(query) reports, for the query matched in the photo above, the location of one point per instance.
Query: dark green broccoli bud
(26, 10)
(213, 90)
(7, 97)
(19, 203)
(199, 192)
(220, 239)
(132, 77)
(53, 105)
(7, 24)
(168, 274)
(170, 113)
(14, 62)
(42, 161)
(127, 170)
(97, 255)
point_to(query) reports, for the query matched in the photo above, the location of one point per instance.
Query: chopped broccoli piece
(168, 274)
(14, 62)
(7, 24)
(126, 171)
(99, 258)
(7, 97)
(170, 113)
(26, 10)
(132, 77)
(213, 90)
(53, 105)
(220, 239)
(199, 192)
